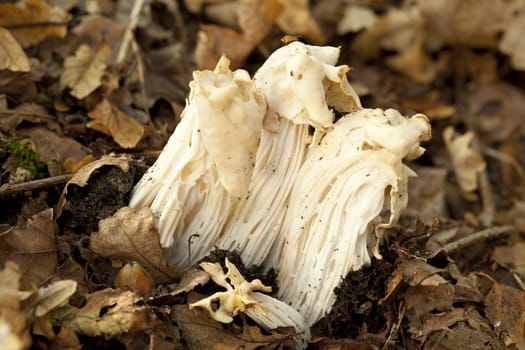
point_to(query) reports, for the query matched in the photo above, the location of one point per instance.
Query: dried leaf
(15, 333)
(355, 18)
(54, 295)
(513, 43)
(296, 19)
(214, 41)
(471, 23)
(511, 257)
(33, 21)
(82, 176)
(130, 235)
(53, 149)
(32, 246)
(95, 31)
(426, 194)
(414, 63)
(83, 71)
(110, 120)
(466, 161)
(256, 17)
(12, 56)
(505, 307)
(107, 313)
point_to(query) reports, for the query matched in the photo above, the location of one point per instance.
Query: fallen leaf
(33, 21)
(12, 56)
(82, 176)
(107, 313)
(110, 120)
(355, 18)
(130, 235)
(95, 31)
(511, 257)
(54, 295)
(466, 162)
(414, 63)
(83, 71)
(256, 17)
(513, 43)
(296, 19)
(426, 194)
(32, 246)
(471, 23)
(496, 109)
(13, 322)
(214, 41)
(505, 307)
(53, 149)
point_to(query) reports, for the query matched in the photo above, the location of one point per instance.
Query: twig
(476, 237)
(132, 23)
(7, 190)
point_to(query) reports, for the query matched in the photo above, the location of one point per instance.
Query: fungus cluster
(261, 166)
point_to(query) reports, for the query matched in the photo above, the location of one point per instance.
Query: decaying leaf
(54, 149)
(110, 120)
(12, 56)
(505, 308)
(214, 41)
(426, 194)
(466, 162)
(32, 246)
(54, 295)
(33, 21)
(107, 313)
(513, 43)
(82, 176)
(130, 235)
(83, 71)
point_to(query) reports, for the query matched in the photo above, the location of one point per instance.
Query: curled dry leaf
(110, 120)
(466, 161)
(107, 313)
(134, 277)
(53, 296)
(130, 235)
(33, 21)
(82, 176)
(12, 56)
(83, 71)
(32, 246)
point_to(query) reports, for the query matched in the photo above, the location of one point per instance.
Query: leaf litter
(81, 269)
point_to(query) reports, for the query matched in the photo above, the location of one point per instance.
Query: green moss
(24, 156)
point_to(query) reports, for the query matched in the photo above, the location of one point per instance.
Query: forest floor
(90, 92)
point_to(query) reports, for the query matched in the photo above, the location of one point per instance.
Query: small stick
(476, 237)
(128, 34)
(7, 189)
